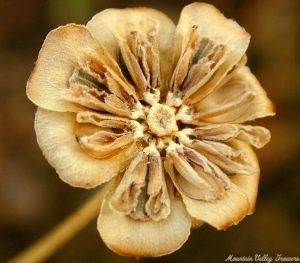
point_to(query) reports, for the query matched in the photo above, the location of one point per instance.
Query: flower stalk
(62, 233)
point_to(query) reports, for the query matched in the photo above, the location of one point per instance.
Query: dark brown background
(33, 199)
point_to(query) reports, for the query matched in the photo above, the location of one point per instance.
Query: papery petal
(257, 136)
(104, 27)
(62, 50)
(226, 157)
(229, 38)
(130, 237)
(126, 195)
(237, 202)
(104, 144)
(158, 203)
(142, 192)
(103, 120)
(196, 223)
(56, 138)
(190, 182)
(248, 184)
(239, 100)
(222, 213)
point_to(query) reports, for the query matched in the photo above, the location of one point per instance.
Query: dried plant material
(158, 111)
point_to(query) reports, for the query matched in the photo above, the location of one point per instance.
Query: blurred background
(33, 199)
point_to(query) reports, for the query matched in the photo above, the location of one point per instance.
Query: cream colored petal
(229, 210)
(62, 50)
(196, 223)
(223, 213)
(130, 237)
(226, 34)
(190, 181)
(226, 157)
(239, 100)
(56, 138)
(103, 144)
(257, 136)
(126, 195)
(248, 184)
(103, 120)
(103, 27)
(238, 160)
(158, 203)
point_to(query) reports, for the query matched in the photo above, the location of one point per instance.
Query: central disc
(161, 120)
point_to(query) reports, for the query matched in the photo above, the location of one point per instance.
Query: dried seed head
(161, 120)
(158, 108)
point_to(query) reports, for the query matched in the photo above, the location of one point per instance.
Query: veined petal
(107, 26)
(142, 192)
(237, 202)
(130, 237)
(225, 156)
(257, 136)
(216, 44)
(126, 195)
(191, 182)
(104, 144)
(222, 213)
(62, 50)
(248, 184)
(56, 138)
(240, 99)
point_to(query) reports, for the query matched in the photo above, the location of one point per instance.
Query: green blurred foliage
(60, 12)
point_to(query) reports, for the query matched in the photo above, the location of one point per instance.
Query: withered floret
(158, 111)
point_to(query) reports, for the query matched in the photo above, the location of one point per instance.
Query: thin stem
(62, 233)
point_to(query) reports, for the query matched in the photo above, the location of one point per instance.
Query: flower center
(161, 120)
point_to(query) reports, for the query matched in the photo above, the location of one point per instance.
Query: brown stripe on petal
(227, 105)
(143, 193)
(126, 196)
(257, 136)
(204, 167)
(221, 132)
(158, 203)
(103, 120)
(189, 180)
(231, 161)
(190, 47)
(238, 100)
(89, 89)
(103, 144)
(140, 53)
(203, 70)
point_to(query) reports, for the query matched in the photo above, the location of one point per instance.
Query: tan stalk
(62, 233)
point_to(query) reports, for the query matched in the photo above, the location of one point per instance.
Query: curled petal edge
(56, 138)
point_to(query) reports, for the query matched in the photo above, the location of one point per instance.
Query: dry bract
(158, 110)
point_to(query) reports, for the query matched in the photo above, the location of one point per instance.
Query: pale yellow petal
(56, 138)
(248, 184)
(237, 202)
(223, 213)
(130, 237)
(61, 52)
(230, 39)
(257, 136)
(239, 100)
(104, 27)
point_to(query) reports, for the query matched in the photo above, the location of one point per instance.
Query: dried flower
(159, 110)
